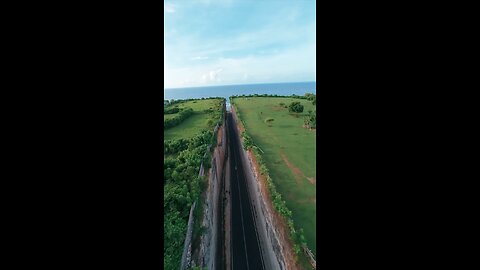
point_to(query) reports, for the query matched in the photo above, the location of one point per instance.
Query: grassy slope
(168, 116)
(286, 135)
(193, 124)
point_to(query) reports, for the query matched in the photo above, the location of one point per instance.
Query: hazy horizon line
(183, 87)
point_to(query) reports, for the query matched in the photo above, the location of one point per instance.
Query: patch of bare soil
(279, 221)
(291, 261)
(297, 172)
(312, 180)
(309, 128)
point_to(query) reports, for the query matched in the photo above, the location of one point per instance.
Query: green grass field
(289, 152)
(193, 124)
(168, 116)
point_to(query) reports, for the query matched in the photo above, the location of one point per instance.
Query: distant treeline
(177, 101)
(307, 96)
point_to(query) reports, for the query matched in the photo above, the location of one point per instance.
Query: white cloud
(169, 8)
(212, 76)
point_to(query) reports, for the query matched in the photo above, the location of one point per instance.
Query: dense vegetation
(183, 186)
(179, 101)
(171, 110)
(310, 121)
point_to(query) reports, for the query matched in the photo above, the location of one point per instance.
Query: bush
(310, 96)
(184, 114)
(295, 107)
(171, 110)
(311, 120)
(210, 122)
(247, 141)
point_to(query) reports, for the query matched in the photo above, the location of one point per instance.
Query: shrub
(184, 114)
(171, 110)
(310, 96)
(295, 107)
(311, 121)
(247, 141)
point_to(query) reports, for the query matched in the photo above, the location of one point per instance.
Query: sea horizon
(285, 88)
(203, 86)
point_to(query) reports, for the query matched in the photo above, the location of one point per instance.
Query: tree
(295, 107)
(310, 96)
(310, 121)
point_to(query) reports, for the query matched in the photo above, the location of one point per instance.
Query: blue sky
(221, 42)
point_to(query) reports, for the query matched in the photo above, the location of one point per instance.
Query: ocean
(297, 88)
